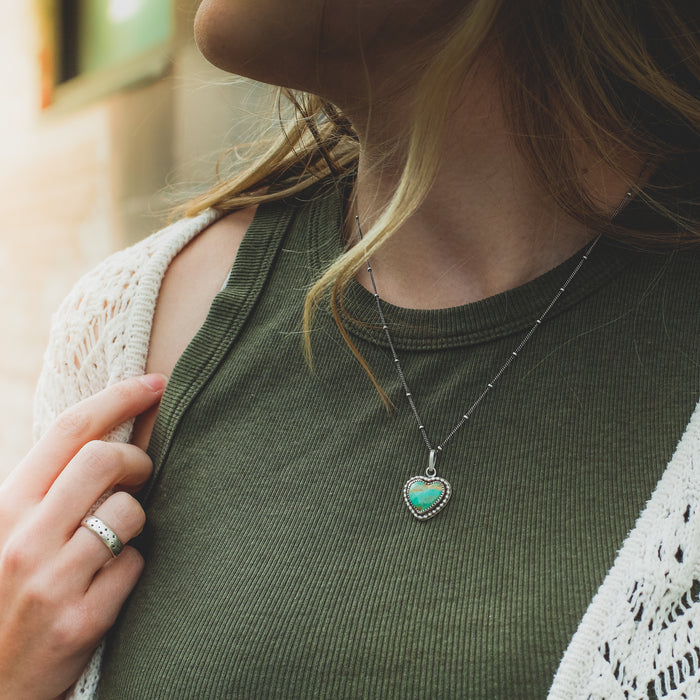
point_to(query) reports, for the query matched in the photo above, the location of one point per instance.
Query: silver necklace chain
(490, 385)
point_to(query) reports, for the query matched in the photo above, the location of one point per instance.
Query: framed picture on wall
(91, 48)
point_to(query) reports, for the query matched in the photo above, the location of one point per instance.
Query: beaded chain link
(513, 355)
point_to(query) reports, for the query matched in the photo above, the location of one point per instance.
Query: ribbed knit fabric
(281, 560)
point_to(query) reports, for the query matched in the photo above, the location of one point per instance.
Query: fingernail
(156, 382)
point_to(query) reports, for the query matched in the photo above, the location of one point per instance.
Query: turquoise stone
(425, 494)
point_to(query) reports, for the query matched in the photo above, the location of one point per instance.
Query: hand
(60, 587)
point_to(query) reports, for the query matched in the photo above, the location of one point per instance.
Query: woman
(297, 545)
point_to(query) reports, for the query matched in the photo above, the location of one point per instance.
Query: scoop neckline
(498, 316)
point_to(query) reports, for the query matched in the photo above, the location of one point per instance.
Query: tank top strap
(249, 274)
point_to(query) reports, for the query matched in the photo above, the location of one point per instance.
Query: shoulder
(130, 273)
(196, 275)
(99, 334)
(189, 285)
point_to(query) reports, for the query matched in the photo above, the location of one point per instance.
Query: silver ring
(105, 533)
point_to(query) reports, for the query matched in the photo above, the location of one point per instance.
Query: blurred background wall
(109, 117)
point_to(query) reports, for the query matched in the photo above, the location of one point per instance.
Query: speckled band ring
(106, 534)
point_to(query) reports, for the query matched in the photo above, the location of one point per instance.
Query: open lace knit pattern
(639, 639)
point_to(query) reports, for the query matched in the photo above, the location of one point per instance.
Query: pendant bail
(432, 458)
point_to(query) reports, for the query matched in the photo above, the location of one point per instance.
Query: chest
(281, 559)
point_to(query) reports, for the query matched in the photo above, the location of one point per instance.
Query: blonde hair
(616, 77)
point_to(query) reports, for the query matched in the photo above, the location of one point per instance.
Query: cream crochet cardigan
(640, 637)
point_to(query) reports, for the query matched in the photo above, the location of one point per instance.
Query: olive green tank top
(281, 560)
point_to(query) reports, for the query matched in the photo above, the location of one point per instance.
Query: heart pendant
(426, 496)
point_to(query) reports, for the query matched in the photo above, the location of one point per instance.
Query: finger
(91, 419)
(111, 586)
(96, 468)
(85, 553)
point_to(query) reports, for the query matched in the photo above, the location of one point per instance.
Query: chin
(240, 38)
(210, 34)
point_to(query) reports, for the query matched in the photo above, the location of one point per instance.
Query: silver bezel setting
(437, 506)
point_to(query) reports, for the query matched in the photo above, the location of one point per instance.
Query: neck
(484, 227)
